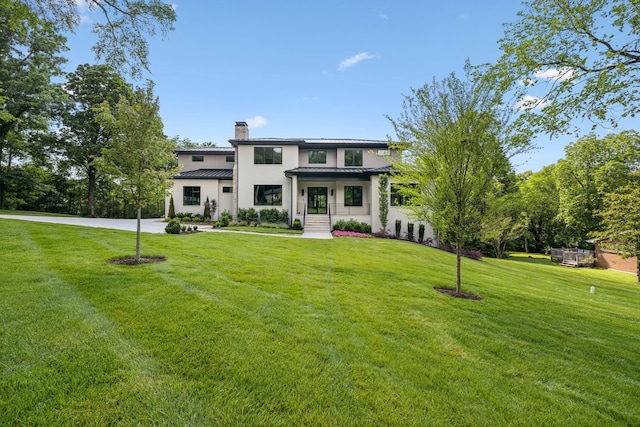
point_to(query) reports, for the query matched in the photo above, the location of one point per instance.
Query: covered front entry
(316, 200)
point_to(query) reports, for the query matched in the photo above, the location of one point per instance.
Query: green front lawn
(240, 329)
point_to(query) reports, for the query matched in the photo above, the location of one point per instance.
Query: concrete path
(156, 225)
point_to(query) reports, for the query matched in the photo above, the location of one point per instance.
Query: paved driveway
(146, 225)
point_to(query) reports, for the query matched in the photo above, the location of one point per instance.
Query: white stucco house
(318, 181)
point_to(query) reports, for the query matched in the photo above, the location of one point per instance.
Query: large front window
(191, 196)
(353, 157)
(353, 195)
(267, 195)
(267, 155)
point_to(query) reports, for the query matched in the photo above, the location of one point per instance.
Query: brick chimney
(242, 130)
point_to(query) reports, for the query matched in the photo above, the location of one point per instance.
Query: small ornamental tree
(213, 206)
(172, 208)
(383, 183)
(207, 210)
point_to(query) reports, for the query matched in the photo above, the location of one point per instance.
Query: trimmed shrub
(284, 216)
(297, 225)
(421, 233)
(410, 231)
(173, 227)
(247, 214)
(269, 215)
(352, 225)
(225, 218)
(398, 227)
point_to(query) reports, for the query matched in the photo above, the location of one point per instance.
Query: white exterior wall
(332, 158)
(250, 174)
(211, 161)
(211, 188)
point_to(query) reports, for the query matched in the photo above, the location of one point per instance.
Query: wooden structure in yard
(573, 257)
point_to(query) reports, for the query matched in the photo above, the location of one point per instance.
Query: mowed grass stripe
(62, 361)
(263, 330)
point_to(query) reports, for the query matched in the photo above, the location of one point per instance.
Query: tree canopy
(29, 57)
(123, 32)
(82, 137)
(573, 58)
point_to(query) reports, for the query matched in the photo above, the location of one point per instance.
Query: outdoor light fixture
(302, 192)
(332, 192)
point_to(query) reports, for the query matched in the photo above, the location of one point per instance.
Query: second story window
(197, 158)
(231, 158)
(267, 155)
(317, 156)
(353, 157)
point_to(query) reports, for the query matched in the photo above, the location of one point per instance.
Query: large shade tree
(571, 59)
(621, 220)
(139, 156)
(30, 49)
(456, 139)
(122, 32)
(592, 168)
(82, 137)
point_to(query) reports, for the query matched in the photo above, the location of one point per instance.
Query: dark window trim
(194, 197)
(318, 153)
(197, 158)
(356, 157)
(355, 199)
(267, 155)
(260, 197)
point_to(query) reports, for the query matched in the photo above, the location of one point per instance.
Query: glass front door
(317, 200)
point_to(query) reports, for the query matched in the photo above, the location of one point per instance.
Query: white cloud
(257, 122)
(529, 102)
(350, 62)
(556, 75)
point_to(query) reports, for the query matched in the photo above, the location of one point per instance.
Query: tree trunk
(91, 196)
(458, 261)
(138, 234)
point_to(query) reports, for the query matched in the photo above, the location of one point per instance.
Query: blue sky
(321, 69)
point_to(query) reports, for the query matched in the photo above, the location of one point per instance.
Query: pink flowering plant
(343, 233)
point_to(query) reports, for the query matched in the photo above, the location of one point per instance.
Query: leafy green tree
(383, 191)
(621, 219)
(139, 154)
(83, 138)
(540, 205)
(456, 137)
(123, 31)
(581, 58)
(29, 58)
(501, 221)
(593, 167)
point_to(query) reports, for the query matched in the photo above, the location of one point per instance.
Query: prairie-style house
(318, 181)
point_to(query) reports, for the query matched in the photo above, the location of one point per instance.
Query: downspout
(290, 201)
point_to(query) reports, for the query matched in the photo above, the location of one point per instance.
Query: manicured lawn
(238, 329)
